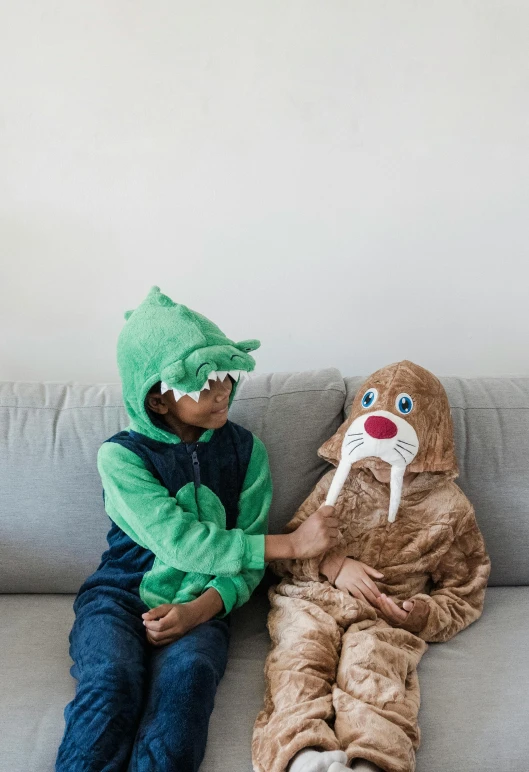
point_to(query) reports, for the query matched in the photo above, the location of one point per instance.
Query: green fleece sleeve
(254, 503)
(143, 508)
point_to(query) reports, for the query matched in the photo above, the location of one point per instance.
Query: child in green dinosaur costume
(188, 494)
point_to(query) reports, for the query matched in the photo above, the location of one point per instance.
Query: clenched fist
(318, 534)
(171, 621)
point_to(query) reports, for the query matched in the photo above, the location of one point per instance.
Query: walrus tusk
(340, 476)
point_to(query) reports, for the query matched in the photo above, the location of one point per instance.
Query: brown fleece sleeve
(332, 563)
(310, 568)
(460, 580)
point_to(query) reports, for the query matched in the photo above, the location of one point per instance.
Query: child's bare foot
(310, 760)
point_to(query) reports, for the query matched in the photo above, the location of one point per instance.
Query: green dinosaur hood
(166, 341)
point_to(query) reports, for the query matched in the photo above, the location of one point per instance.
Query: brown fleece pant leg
(299, 671)
(376, 697)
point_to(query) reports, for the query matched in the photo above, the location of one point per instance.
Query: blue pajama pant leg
(108, 646)
(182, 680)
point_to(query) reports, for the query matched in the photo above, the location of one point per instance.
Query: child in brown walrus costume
(341, 678)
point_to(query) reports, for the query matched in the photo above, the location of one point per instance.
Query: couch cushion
(293, 413)
(35, 682)
(491, 425)
(474, 692)
(473, 714)
(53, 524)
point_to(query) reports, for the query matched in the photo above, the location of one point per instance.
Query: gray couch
(474, 714)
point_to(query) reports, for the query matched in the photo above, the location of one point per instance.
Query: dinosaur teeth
(178, 394)
(221, 375)
(214, 375)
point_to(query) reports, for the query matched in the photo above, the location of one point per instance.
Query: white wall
(347, 180)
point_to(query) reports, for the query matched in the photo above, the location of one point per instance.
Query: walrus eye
(404, 403)
(369, 398)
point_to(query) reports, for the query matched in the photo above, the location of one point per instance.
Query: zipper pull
(196, 468)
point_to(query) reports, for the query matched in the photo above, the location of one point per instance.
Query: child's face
(210, 412)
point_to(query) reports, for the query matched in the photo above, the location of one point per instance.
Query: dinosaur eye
(404, 403)
(369, 398)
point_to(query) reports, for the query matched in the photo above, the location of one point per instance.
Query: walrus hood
(168, 342)
(400, 416)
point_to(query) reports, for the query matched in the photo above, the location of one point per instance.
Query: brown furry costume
(338, 675)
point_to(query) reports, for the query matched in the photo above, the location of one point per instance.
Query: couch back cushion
(293, 414)
(52, 520)
(491, 426)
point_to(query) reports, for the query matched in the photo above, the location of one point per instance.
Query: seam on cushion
(99, 407)
(240, 399)
(288, 393)
(78, 407)
(237, 399)
(458, 407)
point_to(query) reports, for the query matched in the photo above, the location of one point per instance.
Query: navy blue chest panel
(221, 463)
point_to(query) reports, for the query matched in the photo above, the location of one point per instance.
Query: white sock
(309, 760)
(360, 766)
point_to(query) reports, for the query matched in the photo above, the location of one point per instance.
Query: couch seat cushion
(474, 688)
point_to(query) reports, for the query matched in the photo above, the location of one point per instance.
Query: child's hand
(169, 622)
(391, 612)
(317, 534)
(355, 578)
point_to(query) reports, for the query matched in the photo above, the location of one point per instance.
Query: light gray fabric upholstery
(474, 688)
(491, 426)
(474, 692)
(52, 533)
(293, 414)
(53, 523)
(35, 683)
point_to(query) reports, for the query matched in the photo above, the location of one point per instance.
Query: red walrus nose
(380, 428)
